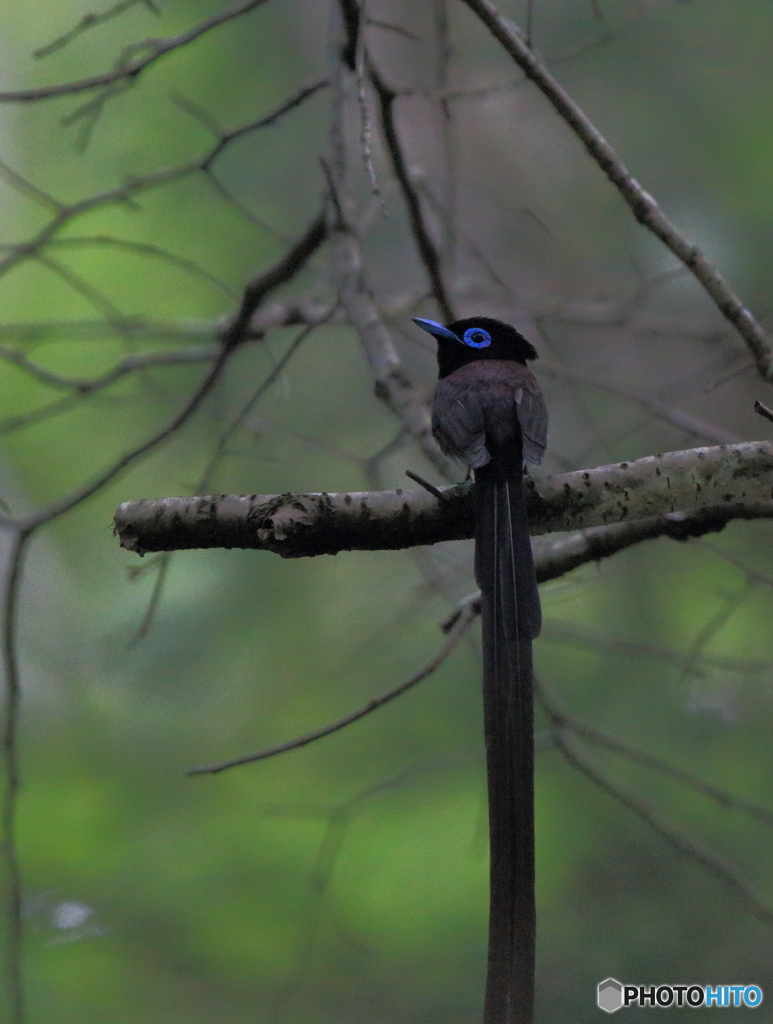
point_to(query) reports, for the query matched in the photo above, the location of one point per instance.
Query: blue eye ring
(476, 337)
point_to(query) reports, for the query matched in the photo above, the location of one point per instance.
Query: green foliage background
(347, 882)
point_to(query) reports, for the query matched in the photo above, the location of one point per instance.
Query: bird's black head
(477, 337)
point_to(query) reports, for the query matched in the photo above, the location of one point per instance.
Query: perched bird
(488, 412)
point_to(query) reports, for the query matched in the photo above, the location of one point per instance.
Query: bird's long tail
(511, 618)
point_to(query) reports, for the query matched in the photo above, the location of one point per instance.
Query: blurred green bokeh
(347, 882)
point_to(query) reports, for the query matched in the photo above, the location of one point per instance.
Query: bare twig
(690, 663)
(428, 253)
(716, 622)
(678, 840)
(91, 20)
(282, 271)
(147, 249)
(226, 138)
(390, 26)
(274, 314)
(240, 418)
(254, 293)
(129, 70)
(461, 627)
(685, 421)
(563, 719)
(393, 384)
(12, 781)
(645, 209)
(159, 583)
(338, 821)
(63, 214)
(435, 491)
(11, 424)
(82, 287)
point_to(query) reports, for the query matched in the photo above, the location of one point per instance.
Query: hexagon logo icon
(610, 995)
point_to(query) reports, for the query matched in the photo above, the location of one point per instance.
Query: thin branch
(753, 575)
(564, 720)
(691, 662)
(92, 20)
(148, 249)
(245, 411)
(271, 315)
(254, 293)
(685, 421)
(447, 210)
(252, 218)
(135, 363)
(64, 214)
(426, 247)
(338, 820)
(683, 844)
(285, 313)
(716, 623)
(393, 384)
(282, 272)
(351, 18)
(434, 491)
(12, 781)
(266, 121)
(645, 209)
(561, 632)
(366, 129)
(155, 598)
(390, 26)
(12, 424)
(28, 189)
(82, 287)
(454, 636)
(81, 494)
(129, 70)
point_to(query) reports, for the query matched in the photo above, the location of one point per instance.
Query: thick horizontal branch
(685, 493)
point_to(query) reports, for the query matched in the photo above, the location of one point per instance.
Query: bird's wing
(533, 417)
(458, 424)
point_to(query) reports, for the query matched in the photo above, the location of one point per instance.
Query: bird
(488, 413)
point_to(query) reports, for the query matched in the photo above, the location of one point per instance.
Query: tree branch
(678, 840)
(426, 247)
(681, 494)
(129, 70)
(461, 626)
(392, 382)
(564, 720)
(645, 209)
(255, 291)
(9, 754)
(63, 214)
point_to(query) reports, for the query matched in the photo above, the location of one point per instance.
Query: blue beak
(436, 329)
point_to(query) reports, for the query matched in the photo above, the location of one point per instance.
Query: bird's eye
(476, 337)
